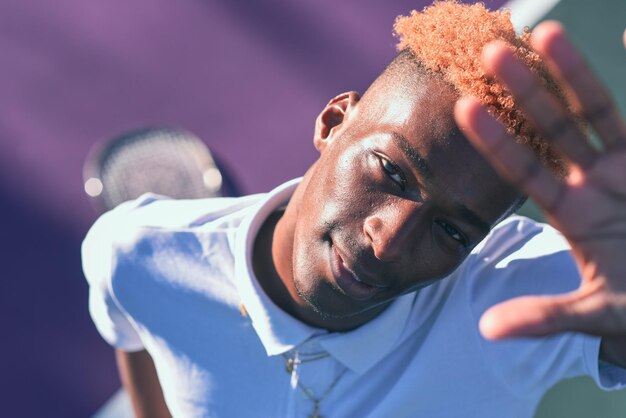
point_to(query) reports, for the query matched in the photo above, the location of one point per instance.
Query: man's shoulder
(520, 256)
(153, 220)
(154, 211)
(521, 237)
(158, 246)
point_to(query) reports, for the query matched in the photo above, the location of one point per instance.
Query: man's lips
(351, 284)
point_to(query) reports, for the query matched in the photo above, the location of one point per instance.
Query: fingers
(525, 316)
(515, 162)
(538, 105)
(590, 97)
(592, 309)
(535, 316)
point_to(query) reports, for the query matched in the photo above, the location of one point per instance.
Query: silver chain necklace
(291, 367)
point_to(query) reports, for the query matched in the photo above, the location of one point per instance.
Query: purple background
(248, 77)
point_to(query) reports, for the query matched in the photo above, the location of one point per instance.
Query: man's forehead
(421, 108)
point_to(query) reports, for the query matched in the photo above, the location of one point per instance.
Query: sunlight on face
(399, 109)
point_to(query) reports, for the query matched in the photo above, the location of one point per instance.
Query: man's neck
(264, 267)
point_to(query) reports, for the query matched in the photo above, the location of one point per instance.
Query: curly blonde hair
(447, 38)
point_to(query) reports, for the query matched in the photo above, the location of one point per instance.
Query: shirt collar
(364, 347)
(279, 332)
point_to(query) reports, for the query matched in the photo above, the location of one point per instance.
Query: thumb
(528, 316)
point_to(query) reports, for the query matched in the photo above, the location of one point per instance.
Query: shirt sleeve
(110, 319)
(606, 375)
(523, 258)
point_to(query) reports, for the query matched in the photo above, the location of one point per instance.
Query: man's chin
(319, 307)
(337, 307)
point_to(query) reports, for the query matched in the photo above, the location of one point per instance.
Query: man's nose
(393, 230)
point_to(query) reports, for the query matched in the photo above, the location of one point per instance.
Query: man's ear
(333, 115)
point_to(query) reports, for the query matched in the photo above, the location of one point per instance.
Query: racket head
(166, 161)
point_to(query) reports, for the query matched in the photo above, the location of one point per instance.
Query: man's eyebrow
(411, 153)
(420, 165)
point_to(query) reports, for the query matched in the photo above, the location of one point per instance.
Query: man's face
(396, 201)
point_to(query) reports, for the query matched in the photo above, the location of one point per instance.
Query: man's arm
(140, 380)
(588, 207)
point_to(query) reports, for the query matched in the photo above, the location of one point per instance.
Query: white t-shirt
(169, 276)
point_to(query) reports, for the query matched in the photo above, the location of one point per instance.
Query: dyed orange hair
(447, 38)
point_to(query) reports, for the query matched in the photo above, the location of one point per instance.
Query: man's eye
(393, 172)
(453, 232)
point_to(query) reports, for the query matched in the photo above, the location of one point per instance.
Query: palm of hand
(592, 215)
(589, 207)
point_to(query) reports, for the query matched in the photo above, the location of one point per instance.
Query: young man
(356, 291)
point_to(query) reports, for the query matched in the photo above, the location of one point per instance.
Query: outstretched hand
(588, 207)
